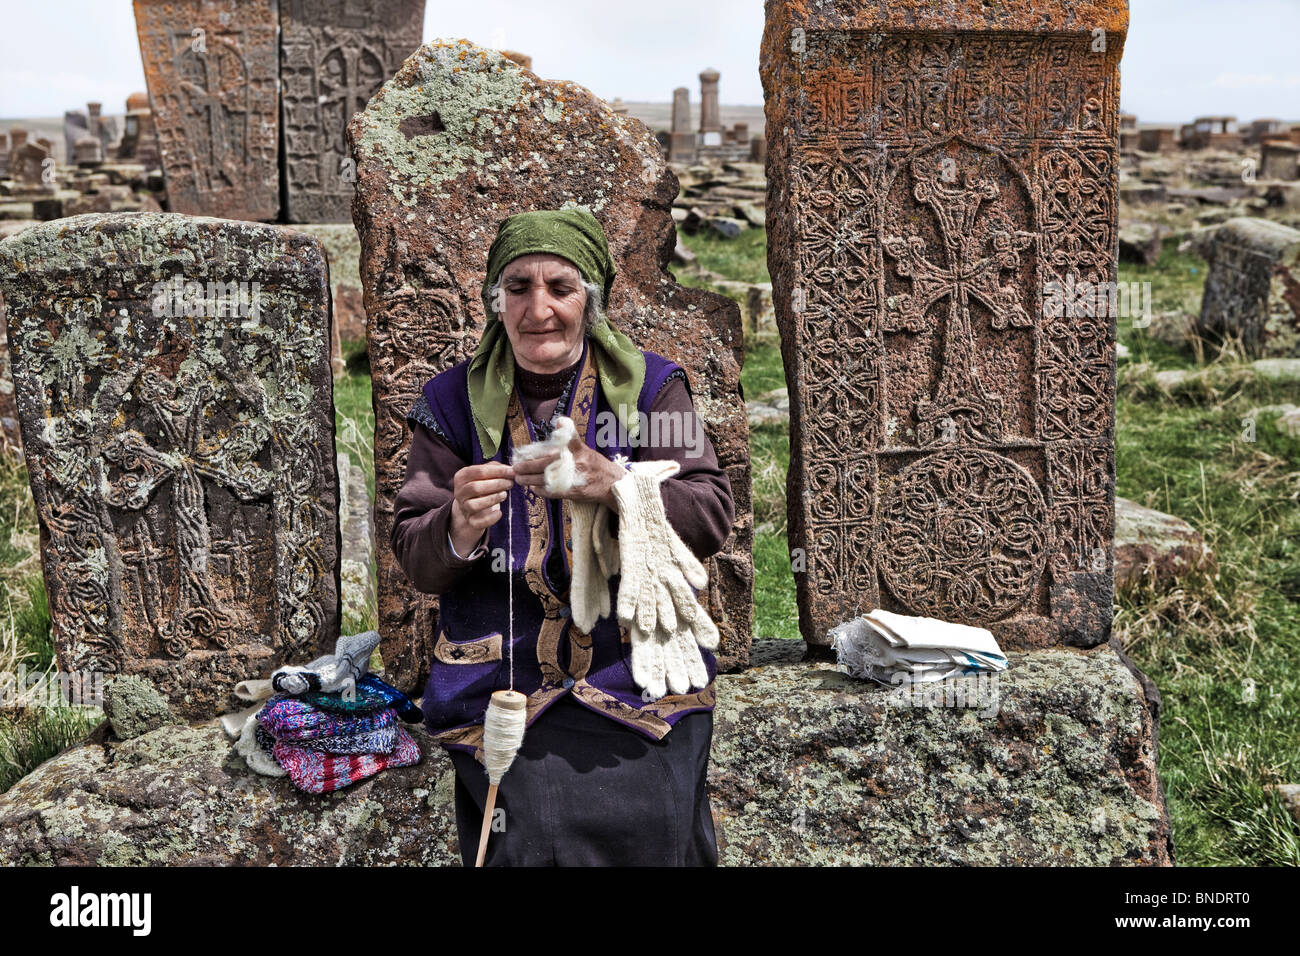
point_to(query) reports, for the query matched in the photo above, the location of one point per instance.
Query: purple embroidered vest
(552, 657)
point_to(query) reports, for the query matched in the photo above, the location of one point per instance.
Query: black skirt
(588, 791)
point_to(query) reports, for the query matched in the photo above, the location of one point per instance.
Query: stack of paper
(895, 649)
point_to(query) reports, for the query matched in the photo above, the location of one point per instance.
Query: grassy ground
(1220, 646)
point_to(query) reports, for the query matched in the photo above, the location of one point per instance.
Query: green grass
(743, 259)
(28, 735)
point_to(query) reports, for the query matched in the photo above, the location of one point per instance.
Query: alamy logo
(177, 297)
(102, 909)
(654, 430)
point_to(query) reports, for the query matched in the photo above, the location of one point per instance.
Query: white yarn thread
(503, 735)
(561, 474)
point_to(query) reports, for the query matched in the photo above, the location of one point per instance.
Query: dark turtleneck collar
(544, 385)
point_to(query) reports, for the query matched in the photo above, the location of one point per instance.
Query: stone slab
(213, 72)
(334, 56)
(179, 445)
(462, 138)
(931, 170)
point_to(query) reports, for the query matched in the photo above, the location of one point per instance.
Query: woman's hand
(478, 492)
(597, 471)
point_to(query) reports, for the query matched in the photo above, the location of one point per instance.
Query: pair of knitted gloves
(667, 626)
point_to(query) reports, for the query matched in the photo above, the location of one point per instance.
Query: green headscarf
(576, 235)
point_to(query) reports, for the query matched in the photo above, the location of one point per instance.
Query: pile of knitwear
(325, 741)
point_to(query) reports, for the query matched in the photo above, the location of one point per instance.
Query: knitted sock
(317, 772)
(335, 671)
(378, 741)
(290, 718)
(371, 694)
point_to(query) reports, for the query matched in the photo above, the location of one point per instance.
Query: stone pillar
(422, 320)
(213, 72)
(75, 126)
(682, 141)
(951, 441)
(333, 58)
(710, 118)
(94, 115)
(189, 526)
(681, 110)
(1250, 288)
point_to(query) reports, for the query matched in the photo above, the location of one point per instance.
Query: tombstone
(930, 177)
(1250, 287)
(333, 58)
(17, 137)
(343, 250)
(740, 134)
(47, 144)
(1157, 139)
(1278, 160)
(33, 167)
(1262, 129)
(357, 533)
(11, 440)
(130, 141)
(142, 147)
(421, 152)
(4, 155)
(75, 126)
(758, 149)
(173, 385)
(681, 110)
(618, 107)
(212, 67)
(88, 152)
(682, 141)
(95, 123)
(710, 117)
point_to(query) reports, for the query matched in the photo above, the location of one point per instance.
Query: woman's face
(544, 302)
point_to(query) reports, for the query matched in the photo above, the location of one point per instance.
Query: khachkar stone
(212, 67)
(710, 117)
(464, 137)
(1252, 289)
(173, 386)
(931, 176)
(333, 57)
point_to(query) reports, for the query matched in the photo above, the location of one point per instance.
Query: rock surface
(1054, 764)
(1154, 545)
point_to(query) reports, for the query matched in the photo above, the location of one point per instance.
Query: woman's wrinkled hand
(596, 474)
(478, 491)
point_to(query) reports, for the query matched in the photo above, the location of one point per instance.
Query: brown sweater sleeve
(422, 516)
(698, 498)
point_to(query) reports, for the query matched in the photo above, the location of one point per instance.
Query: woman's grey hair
(591, 312)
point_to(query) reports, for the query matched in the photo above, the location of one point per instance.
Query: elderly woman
(613, 766)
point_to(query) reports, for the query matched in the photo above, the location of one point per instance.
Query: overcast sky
(1183, 58)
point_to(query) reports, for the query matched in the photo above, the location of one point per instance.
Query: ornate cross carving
(978, 245)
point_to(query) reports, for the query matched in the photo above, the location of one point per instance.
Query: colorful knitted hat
(316, 772)
(379, 741)
(372, 694)
(292, 718)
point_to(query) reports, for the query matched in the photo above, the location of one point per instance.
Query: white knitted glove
(666, 624)
(589, 582)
